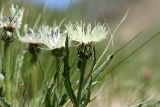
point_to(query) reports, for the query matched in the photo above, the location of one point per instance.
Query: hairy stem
(81, 80)
(57, 80)
(7, 70)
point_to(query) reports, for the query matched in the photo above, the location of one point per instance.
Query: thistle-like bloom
(33, 39)
(14, 20)
(86, 34)
(52, 37)
(30, 36)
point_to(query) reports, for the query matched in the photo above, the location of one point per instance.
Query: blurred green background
(137, 78)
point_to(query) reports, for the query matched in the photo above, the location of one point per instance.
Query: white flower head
(14, 20)
(2, 78)
(30, 36)
(1, 17)
(52, 37)
(85, 33)
(17, 15)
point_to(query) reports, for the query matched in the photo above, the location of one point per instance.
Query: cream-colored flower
(30, 36)
(2, 78)
(83, 33)
(14, 20)
(52, 37)
(1, 17)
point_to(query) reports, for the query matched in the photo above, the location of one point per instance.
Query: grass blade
(157, 34)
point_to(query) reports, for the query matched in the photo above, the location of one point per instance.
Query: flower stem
(93, 65)
(7, 69)
(81, 80)
(57, 69)
(56, 77)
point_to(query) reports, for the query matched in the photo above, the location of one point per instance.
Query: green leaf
(103, 66)
(3, 103)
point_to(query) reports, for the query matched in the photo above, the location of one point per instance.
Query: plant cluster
(30, 82)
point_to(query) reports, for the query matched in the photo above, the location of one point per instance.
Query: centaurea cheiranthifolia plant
(86, 36)
(33, 40)
(53, 41)
(8, 25)
(12, 22)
